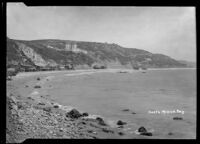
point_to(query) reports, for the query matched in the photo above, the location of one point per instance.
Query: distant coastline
(169, 68)
(92, 71)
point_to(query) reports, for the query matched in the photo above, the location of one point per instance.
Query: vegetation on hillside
(53, 50)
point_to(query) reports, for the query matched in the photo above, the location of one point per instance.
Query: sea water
(153, 99)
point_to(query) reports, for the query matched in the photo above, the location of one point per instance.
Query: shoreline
(38, 103)
(31, 110)
(169, 68)
(91, 71)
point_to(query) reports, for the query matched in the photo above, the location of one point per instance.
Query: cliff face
(31, 54)
(55, 52)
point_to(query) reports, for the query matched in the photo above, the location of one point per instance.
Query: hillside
(51, 52)
(189, 63)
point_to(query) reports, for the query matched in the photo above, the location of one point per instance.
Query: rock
(133, 113)
(41, 103)
(37, 86)
(121, 126)
(56, 106)
(85, 114)
(146, 133)
(73, 114)
(107, 130)
(20, 105)
(125, 110)
(83, 123)
(90, 131)
(47, 109)
(121, 122)
(26, 85)
(38, 78)
(30, 98)
(120, 133)
(170, 133)
(142, 129)
(101, 121)
(177, 118)
(94, 137)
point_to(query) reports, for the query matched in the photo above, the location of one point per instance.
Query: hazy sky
(166, 30)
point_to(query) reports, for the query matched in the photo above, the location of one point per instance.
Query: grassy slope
(96, 52)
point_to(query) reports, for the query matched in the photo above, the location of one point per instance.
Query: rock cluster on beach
(41, 120)
(142, 130)
(35, 115)
(74, 114)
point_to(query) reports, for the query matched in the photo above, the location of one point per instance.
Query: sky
(166, 30)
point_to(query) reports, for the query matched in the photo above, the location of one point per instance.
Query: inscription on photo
(177, 111)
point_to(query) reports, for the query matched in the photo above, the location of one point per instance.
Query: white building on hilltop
(73, 48)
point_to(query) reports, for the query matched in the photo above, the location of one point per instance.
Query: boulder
(142, 129)
(121, 133)
(85, 114)
(73, 114)
(101, 121)
(121, 122)
(56, 106)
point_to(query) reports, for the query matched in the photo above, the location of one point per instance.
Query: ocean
(152, 98)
